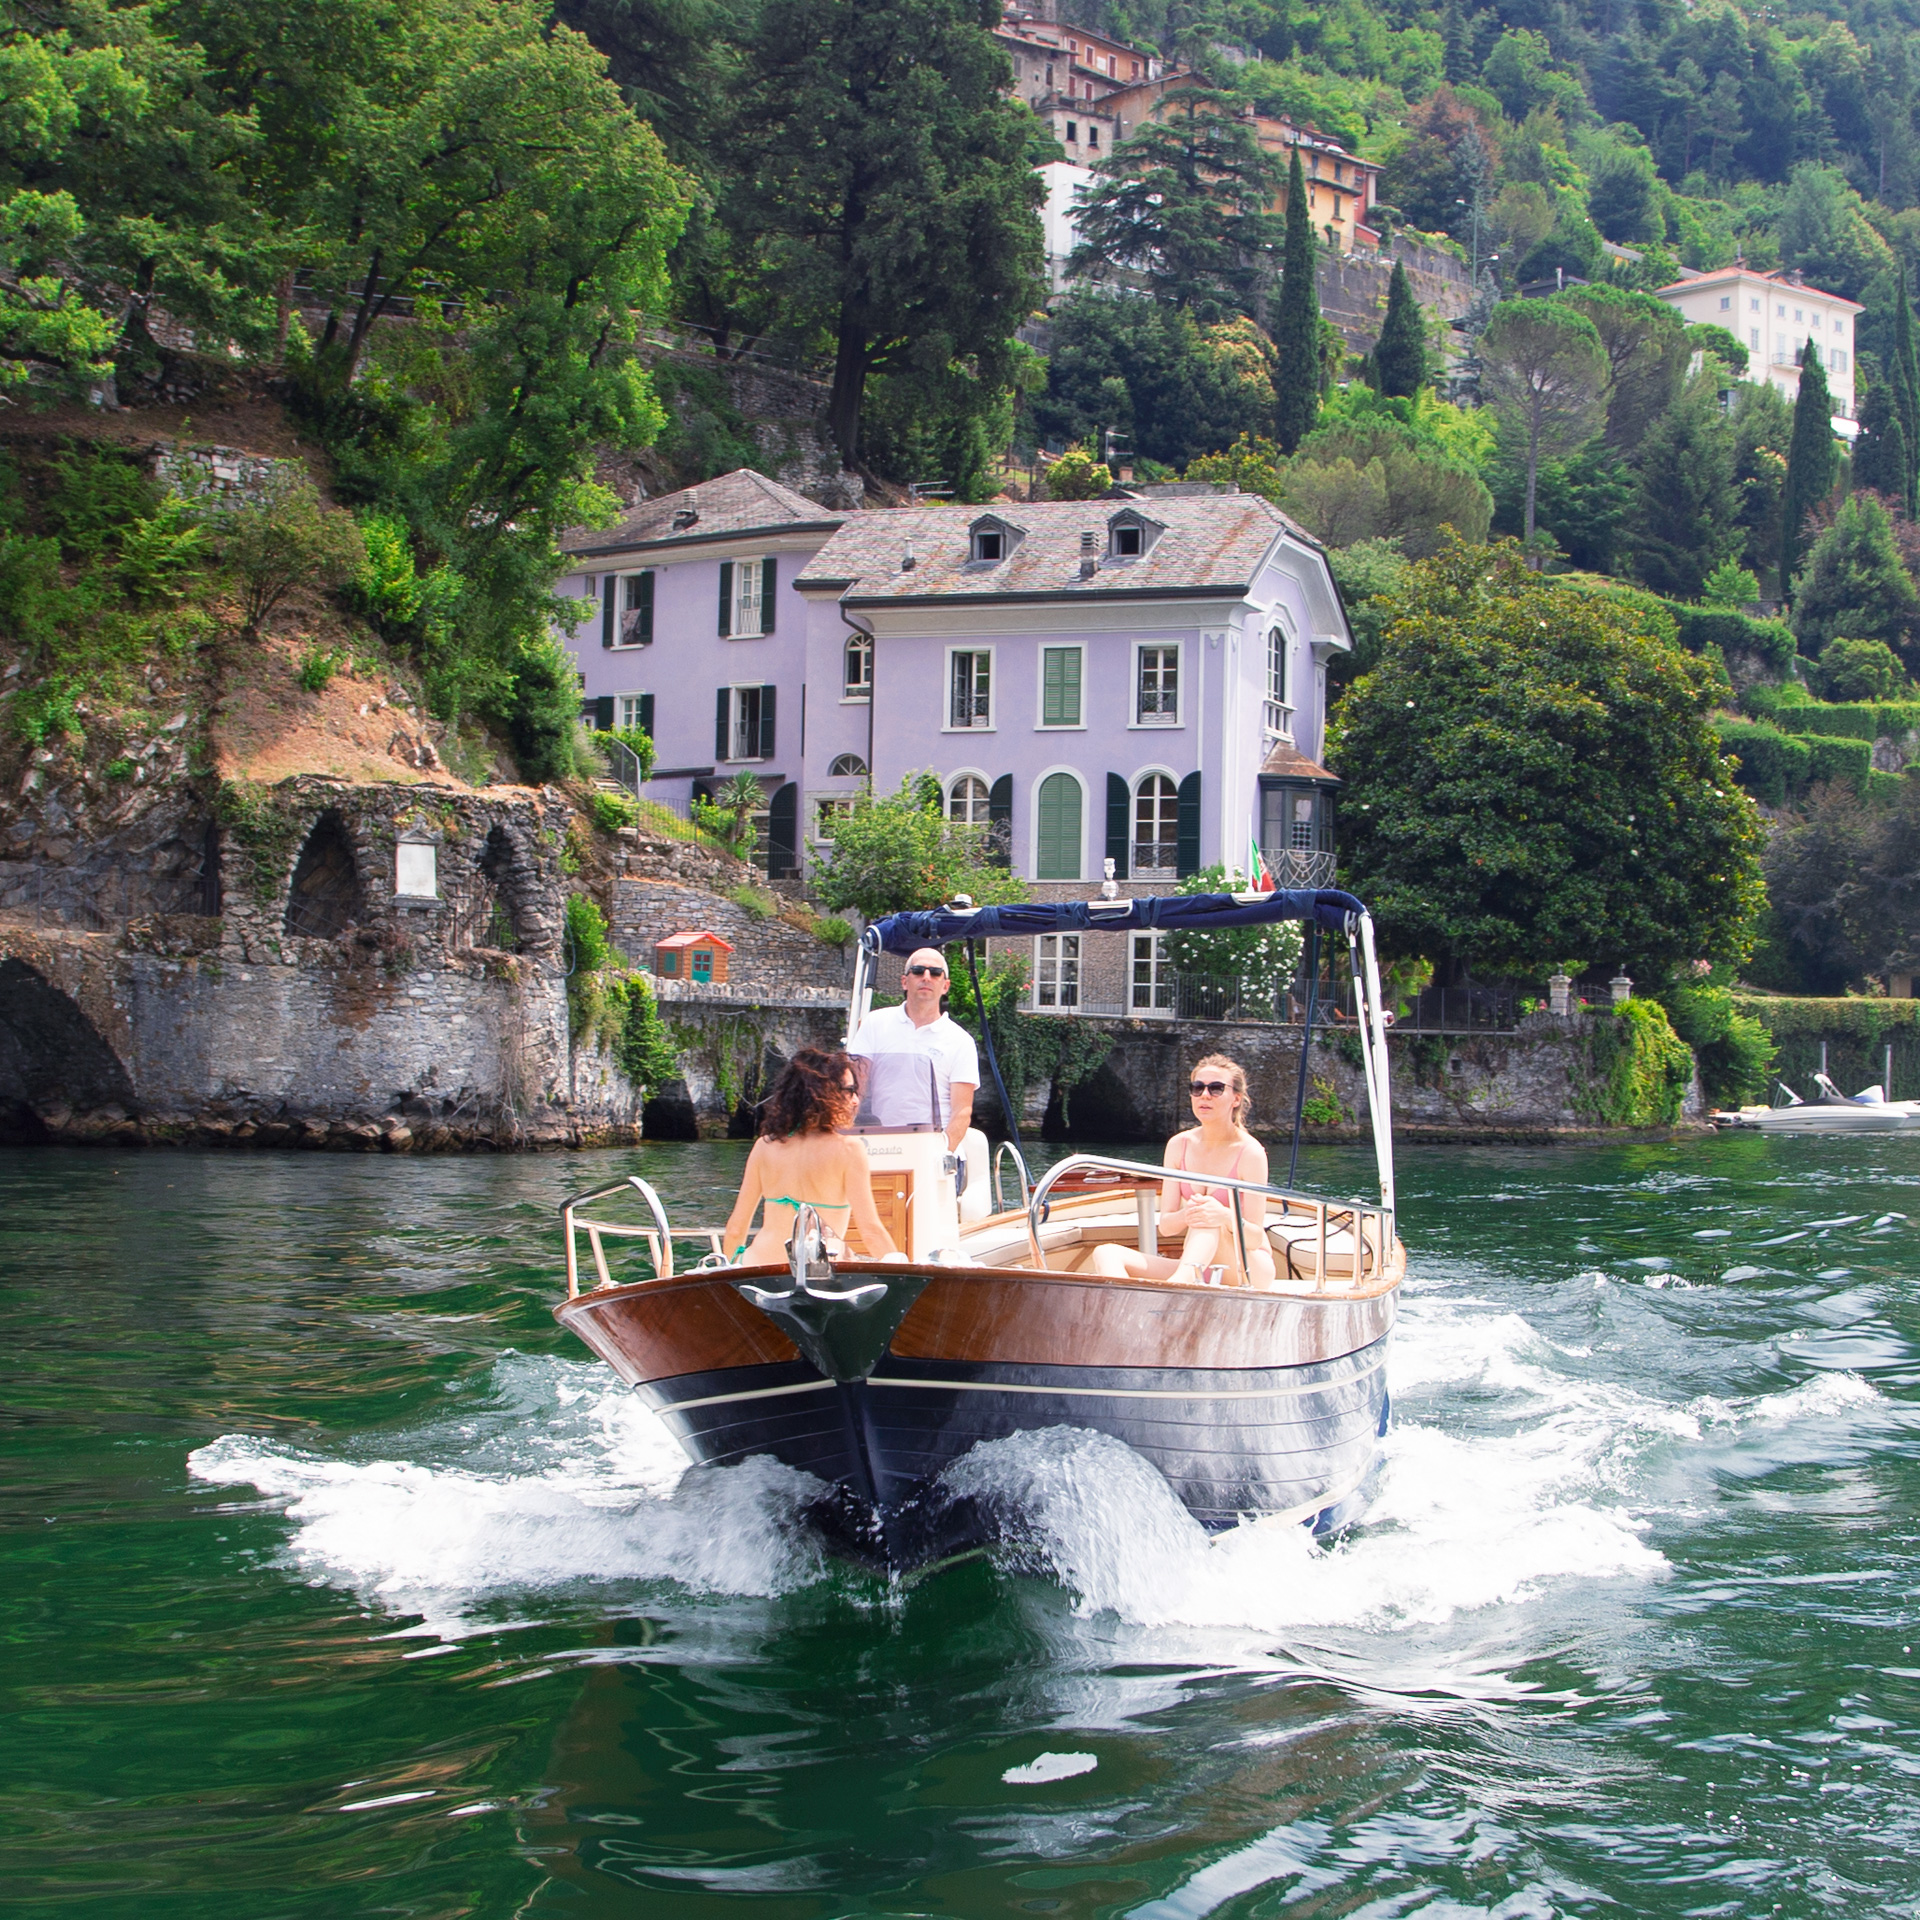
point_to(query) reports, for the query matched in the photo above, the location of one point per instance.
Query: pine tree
(1880, 453)
(1906, 392)
(1296, 338)
(1811, 462)
(1400, 357)
(1456, 33)
(1683, 524)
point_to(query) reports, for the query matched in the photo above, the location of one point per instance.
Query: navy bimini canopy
(1169, 913)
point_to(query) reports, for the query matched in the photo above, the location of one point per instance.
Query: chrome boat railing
(659, 1237)
(1371, 1226)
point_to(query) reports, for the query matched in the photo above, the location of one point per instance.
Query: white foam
(566, 1477)
(1049, 1767)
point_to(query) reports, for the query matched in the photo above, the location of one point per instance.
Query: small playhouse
(699, 955)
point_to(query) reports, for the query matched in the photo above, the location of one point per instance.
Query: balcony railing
(1155, 857)
(1299, 866)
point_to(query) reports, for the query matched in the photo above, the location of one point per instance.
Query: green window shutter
(723, 700)
(1057, 852)
(1060, 687)
(769, 569)
(646, 714)
(726, 599)
(1119, 811)
(783, 832)
(645, 622)
(766, 723)
(1000, 819)
(610, 611)
(603, 712)
(1187, 847)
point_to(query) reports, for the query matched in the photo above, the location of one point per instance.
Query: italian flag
(1259, 874)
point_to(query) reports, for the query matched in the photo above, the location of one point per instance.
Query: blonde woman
(1218, 1145)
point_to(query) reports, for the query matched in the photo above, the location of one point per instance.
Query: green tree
(1426, 171)
(1811, 463)
(1623, 192)
(1762, 433)
(1683, 523)
(1530, 771)
(1544, 371)
(1904, 372)
(1862, 670)
(1648, 347)
(1824, 231)
(1296, 337)
(1584, 501)
(1374, 479)
(281, 537)
(1880, 453)
(1182, 207)
(1077, 475)
(884, 185)
(1855, 584)
(1400, 355)
(895, 852)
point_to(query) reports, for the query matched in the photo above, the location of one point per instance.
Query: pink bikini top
(1224, 1195)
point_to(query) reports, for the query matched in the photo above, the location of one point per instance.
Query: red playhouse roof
(701, 938)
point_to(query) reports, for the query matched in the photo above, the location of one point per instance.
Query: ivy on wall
(1638, 1069)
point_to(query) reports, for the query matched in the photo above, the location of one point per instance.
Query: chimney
(1089, 555)
(906, 559)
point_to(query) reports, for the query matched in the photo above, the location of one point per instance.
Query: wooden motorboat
(876, 1376)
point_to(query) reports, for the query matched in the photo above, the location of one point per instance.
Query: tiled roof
(1210, 544)
(1777, 281)
(701, 938)
(739, 502)
(1287, 762)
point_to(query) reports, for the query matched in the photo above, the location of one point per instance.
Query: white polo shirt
(944, 1041)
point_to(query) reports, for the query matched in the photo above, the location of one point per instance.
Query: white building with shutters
(1139, 679)
(1776, 317)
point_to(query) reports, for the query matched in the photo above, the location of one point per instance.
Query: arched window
(1156, 825)
(1277, 665)
(847, 766)
(1057, 829)
(320, 903)
(859, 669)
(968, 802)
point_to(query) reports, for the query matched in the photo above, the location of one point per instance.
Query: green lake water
(336, 1581)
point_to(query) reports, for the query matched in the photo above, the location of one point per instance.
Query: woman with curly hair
(803, 1159)
(1219, 1145)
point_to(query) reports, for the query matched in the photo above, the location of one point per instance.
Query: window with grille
(1156, 826)
(1059, 686)
(636, 610)
(847, 766)
(1151, 988)
(1300, 828)
(859, 680)
(634, 712)
(1277, 665)
(744, 733)
(1158, 701)
(1057, 829)
(968, 801)
(972, 700)
(746, 597)
(1056, 970)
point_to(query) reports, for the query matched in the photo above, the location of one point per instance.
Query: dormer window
(1130, 535)
(991, 540)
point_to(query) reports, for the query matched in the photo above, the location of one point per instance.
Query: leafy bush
(94, 497)
(1861, 670)
(1731, 586)
(281, 537)
(589, 946)
(644, 1049)
(546, 710)
(1640, 1068)
(754, 900)
(164, 555)
(1831, 759)
(1734, 1050)
(639, 744)
(612, 811)
(318, 665)
(833, 930)
(1077, 475)
(897, 851)
(1772, 764)
(1770, 642)
(1264, 957)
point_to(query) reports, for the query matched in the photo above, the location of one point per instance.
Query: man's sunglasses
(939, 973)
(1214, 1087)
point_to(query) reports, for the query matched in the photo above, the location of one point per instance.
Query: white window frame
(1040, 779)
(953, 780)
(1041, 723)
(626, 710)
(1051, 953)
(991, 724)
(1159, 1002)
(857, 694)
(1137, 724)
(748, 575)
(734, 707)
(822, 807)
(835, 771)
(1134, 842)
(1277, 709)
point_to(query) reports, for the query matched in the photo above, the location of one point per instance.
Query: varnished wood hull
(1250, 1403)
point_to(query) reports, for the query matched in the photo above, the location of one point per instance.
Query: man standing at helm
(920, 1027)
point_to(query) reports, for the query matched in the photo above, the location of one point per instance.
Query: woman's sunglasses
(939, 973)
(1214, 1087)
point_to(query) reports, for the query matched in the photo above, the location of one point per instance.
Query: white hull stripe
(1003, 1386)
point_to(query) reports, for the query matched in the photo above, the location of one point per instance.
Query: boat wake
(1509, 1472)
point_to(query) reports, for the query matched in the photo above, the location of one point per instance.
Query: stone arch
(51, 1055)
(324, 897)
(505, 913)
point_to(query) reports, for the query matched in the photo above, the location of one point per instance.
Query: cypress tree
(1811, 461)
(1906, 392)
(1400, 357)
(1296, 339)
(1880, 453)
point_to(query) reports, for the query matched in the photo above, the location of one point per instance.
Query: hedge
(1852, 720)
(1855, 1031)
(1698, 628)
(1776, 767)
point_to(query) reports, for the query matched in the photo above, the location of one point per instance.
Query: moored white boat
(877, 1375)
(1868, 1111)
